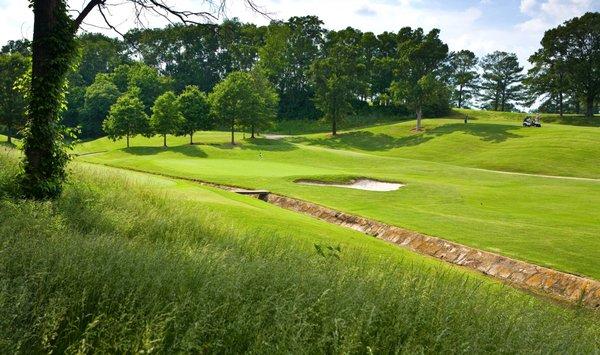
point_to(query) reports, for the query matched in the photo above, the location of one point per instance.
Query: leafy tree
(98, 54)
(99, 97)
(264, 104)
(127, 117)
(339, 78)
(21, 46)
(234, 99)
(420, 58)
(195, 109)
(12, 103)
(53, 51)
(569, 59)
(462, 76)
(501, 81)
(144, 77)
(166, 117)
(286, 57)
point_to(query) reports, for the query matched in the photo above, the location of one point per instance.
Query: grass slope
(541, 220)
(127, 262)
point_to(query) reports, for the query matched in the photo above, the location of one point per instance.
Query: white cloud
(527, 5)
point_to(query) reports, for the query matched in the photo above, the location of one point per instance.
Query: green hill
(129, 262)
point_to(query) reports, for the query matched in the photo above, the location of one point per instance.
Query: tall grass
(114, 267)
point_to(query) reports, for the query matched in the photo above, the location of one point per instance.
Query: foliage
(286, 57)
(501, 81)
(340, 77)
(54, 48)
(21, 46)
(12, 104)
(166, 116)
(235, 99)
(567, 62)
(127, 117)
(265, 104)
(99, 97)
(195, 110)
(462, 74)
(420, 57)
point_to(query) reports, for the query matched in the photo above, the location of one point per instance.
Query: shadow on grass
(187, 150)
(264, 144)
(366, 140)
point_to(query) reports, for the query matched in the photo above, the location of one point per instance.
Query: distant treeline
(318, 73)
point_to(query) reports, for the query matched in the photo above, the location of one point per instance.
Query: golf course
(489, 184)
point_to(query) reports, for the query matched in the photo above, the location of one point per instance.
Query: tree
(127, 117)
(22, 46)
(462, 76)
(53, 51)
(195, 109)
(166, 116)
(265, 102)
(12, 103)
(286, 57)
(144, 77)
(420, 58)
(569, 59)
(339, 78)
(99, 97)
(501, 81)
(234, 99)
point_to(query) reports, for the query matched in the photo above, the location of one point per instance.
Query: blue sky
(479, 25)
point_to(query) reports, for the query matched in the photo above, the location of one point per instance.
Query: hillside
(151, 263)
(542, 220)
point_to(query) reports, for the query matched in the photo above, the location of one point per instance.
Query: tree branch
(86, 10)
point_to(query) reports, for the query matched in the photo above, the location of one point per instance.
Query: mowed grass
(129, 262)
(547, 221)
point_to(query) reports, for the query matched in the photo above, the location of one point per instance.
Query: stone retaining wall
(559, 285)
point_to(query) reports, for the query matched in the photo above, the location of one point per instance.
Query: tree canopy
(166, 117)
(127, 117)
(195, 110)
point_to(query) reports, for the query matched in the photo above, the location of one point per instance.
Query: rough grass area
(124, 263)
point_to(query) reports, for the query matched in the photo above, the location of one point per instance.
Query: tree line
(313, 72)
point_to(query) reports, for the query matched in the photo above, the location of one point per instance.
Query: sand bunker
(358, 184)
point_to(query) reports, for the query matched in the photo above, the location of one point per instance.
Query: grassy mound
(125, 262)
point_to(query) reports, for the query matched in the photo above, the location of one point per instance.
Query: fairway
(543, 220)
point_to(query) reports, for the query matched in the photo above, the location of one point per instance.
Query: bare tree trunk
(589, 106)
(334, 126)
(9, 133)
(127, 140)
(560, 103)
(460, 95)
(419, 117)
(252, 128)
(164, 140)
(232, 134)
(191, 138)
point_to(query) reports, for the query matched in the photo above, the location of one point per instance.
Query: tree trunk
(127, 140)
(560, 104)
(252, 128)
(164, 140)
(9, 133)
(191, 138)
(53, 48)
(419, 116)
(589, 106)
(334, 127)
(460, 95)
(232, 135)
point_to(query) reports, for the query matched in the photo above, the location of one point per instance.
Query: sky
(481, 26)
